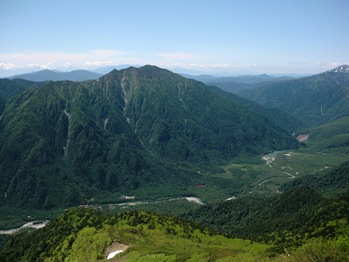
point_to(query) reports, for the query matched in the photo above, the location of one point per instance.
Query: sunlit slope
(66, 142)
(315, 100)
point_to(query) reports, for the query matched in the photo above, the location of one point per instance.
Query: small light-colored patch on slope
(195, 200)
(303, 137)
(114, 249)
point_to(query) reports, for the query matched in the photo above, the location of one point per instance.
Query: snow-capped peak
(340, 69)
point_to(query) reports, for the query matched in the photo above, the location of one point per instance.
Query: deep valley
(172, 169)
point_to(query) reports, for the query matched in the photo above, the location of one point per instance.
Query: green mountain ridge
(10, 88)
(314, 100)
(129, 129)
(331, 135)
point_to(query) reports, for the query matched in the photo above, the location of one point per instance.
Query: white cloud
(64, 60)
(8, 66)
(41, 66)
(68, 65)
(29, 60)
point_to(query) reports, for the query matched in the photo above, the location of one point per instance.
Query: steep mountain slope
(128, 129)
(243, 83)
(10, 88)
(314, 100)
(47, 75)
(237, 84)
(171, 115)
(276, 115)
(332, 135)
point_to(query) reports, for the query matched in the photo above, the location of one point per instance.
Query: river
(33, 224)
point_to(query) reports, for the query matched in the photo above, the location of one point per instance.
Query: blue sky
(227, 37)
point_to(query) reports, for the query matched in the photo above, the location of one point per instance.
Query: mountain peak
(340, 69)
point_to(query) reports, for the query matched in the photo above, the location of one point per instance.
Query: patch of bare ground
(303, 137)
(114, 249)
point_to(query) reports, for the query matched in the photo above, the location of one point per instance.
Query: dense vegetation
(83, 235)
(160, 136)
(239, 84)
(333, 183)
(10, 88)
(129, 130)
(296, 211)
(330, 136)
(290, 227)
(314, 100)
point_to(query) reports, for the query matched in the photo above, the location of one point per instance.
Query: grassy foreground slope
(84, 234)
(299, 225)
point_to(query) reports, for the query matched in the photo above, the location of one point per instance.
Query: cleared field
(281, 167)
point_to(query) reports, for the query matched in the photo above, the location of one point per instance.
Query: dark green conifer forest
(170, 169)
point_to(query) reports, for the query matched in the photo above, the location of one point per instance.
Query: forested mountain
(237, 84)
(49, 75)
(126, 130)
(332, 183)
(332, 135)
(314, 100)
(66, 143)
(294, 214)
(243, 79)
(299, 225)
(10, 88)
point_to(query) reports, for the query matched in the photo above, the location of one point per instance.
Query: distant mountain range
(129, 129)
(82, 75)
(315, 100)
(243, 79)
(47, 75)
(236, 84)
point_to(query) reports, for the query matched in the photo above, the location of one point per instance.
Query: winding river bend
(34, 224)
(41, 224)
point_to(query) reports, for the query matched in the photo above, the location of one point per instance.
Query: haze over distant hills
(46, 75)
(236, 84)
(206, 77)
(314, 100)
(242, 79)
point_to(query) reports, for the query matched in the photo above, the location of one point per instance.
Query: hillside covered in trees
(297, 226)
